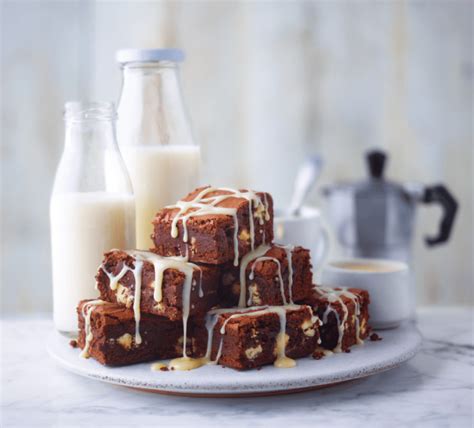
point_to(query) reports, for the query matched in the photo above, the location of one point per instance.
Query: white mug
(306, 230)
(386, 281)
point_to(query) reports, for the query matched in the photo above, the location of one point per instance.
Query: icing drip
(267, 214)
(280, 278)
(289, 257)
(113, 280)
(315, 320)
(326, 313)
(201, 292)
(252, 226)
(202, 205)
(282, 360)
(340, 326)
(137, 273)
(211, 321)
(266, 217)
(252, 255)
(258, 255)
(87, 309)
(333, 295)
(357, 315)
(186, 363)
(160, 265)
(186, 307)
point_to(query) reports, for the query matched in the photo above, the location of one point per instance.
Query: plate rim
(252, 388)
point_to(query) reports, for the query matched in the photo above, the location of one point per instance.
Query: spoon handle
(305, 179)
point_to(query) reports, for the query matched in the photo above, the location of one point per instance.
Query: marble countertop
(433, 389)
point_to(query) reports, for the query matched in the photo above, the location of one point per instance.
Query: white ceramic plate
(397, 346)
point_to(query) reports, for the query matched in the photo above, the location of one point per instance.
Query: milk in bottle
(154, 134)
(90, 213)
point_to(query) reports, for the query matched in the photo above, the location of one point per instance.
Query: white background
(266, 83)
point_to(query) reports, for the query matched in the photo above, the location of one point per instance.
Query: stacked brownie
(216, 289)
(143, 303)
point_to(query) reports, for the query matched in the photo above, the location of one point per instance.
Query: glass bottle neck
(90, 125)
(93, 134)
(91, 160)
(151, 109)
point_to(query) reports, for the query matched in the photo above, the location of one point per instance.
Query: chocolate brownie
(116, 281)
(253, 337)
(214, 226)
(274, 275)
(107, 334)
(344, 315)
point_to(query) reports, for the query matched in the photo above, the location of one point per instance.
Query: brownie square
(344, 315)
(112, 335)
(248, 338)
(210, 224)
(204, 286)
(279, 275)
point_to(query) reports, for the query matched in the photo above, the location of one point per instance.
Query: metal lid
(124, 56)
(375, 184)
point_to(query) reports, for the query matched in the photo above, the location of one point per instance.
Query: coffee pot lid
(376, 183)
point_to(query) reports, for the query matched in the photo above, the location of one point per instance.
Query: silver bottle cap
(124, 56)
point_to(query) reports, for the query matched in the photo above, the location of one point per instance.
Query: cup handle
(323, 248)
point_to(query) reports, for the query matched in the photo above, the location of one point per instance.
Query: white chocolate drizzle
(114, 280)
(265, 201)
(187, 363)
(160, 265)
(87, 309)
(249, 257)
(258, 255)
(334, 295)
(267, 216)
(137, 273)
(354, 298)
(201, 292)
(289, 257)
(202, 205)
(211, 321)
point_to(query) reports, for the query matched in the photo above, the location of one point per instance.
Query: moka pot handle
(441, 195)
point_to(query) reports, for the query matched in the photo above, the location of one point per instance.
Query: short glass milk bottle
(154, 134)
(92, 207)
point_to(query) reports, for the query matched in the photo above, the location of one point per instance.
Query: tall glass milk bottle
(92, 207)
(154, 134)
